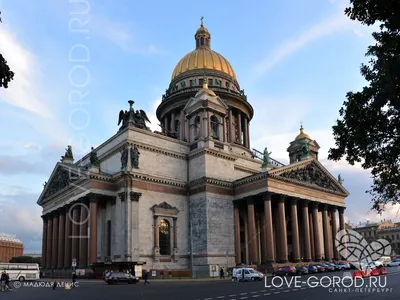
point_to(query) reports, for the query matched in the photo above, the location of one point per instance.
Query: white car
(394, 263)
(246, 274)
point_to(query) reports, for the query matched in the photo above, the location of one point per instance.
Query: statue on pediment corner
(266, 157)
(340, 179)
(94, 160)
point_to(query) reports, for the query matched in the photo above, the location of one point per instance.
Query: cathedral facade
(194, 195)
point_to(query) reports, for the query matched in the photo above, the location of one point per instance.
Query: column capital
(267, 196)
(282, 198)
(324, 207)
(61, 210)
(135, 196)
(122, 196)
(250, 201)
(341, 209)
(294, 200)
(315, 204)
(332, 208)
(304, 202)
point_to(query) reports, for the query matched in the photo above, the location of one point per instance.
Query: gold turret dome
(302, 135)
(203, 57)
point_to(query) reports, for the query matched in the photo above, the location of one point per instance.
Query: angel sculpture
(137, 119)
(141, 119)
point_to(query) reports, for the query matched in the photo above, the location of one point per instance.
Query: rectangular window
(210, 82)
(109, 238)
(201, 81)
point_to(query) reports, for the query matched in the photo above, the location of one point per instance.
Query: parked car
(285, 271)
(328, 267)
(384, 260)
(394, 263)
(120, 277)
(301, 270)
(342, 266)
(312, 269)
(320, 268)
(246, 274)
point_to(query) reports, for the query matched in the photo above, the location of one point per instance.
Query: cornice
(245, 169)
(160, 150)
(212, 152)
(206, 180)
(250, 179)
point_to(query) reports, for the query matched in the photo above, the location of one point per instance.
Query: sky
(77, 63)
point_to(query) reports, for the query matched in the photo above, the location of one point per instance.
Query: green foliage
(26, 259)
(6, 75)
(369, 128)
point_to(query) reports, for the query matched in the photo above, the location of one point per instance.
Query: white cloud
(121, 34)
(25, 90)
(154, 126)
(327, 27)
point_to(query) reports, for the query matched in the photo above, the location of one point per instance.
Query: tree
(368, 130)
(6, 75)
(26, 259)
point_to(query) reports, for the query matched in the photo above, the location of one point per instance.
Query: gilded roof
(203, 57)
(302, 135)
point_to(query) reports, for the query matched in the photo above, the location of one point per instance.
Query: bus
(21, 271)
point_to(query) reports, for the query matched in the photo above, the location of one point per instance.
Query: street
(217, 290)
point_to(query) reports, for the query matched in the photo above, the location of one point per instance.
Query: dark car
(120, 277)
(301, 270)
(285, 271)
(312, 269)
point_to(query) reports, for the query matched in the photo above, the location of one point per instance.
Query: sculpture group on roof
(137, 119)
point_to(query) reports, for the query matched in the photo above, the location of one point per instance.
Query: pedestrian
(73, 279)
(7, 282)
(3, 280)
(146, 277)
(221, 273)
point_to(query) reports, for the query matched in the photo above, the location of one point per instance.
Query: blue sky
(295, 59)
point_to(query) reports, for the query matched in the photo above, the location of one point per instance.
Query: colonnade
(233, 128)
(268, 242)
(66, 235)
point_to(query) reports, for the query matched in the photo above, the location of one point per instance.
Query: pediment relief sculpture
(61, 179)
(312, 175)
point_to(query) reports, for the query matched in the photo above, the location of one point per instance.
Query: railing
(259, 155)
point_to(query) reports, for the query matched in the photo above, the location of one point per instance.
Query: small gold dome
(203, 57)
(302, 135)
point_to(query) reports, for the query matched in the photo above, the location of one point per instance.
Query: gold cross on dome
(201, 19)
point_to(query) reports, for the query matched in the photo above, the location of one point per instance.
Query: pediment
(164, 208)
(61, 177)
(198, 102)
(311, 173)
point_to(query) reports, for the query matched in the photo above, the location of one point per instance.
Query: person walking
(221, 273)
(73, 279)
(7, 282)
(3, 280)
(146, 277)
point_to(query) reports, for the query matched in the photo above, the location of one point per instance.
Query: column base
(282, 261)
(296, 260)
(271, 261)
(307, 259)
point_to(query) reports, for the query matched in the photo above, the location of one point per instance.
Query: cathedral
(193, 196)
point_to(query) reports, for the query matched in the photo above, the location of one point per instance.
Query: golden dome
(203, 57)
(302, 135)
